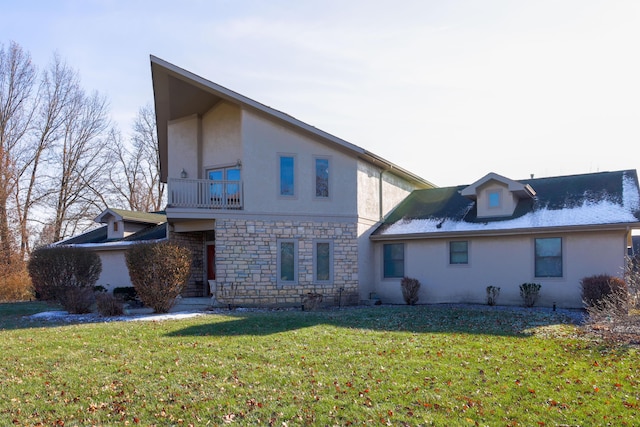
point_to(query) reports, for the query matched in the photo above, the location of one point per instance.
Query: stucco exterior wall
(221, 136)
(183, 149)
(505, 262)
(263, 143)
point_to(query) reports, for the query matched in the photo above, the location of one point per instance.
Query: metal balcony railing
(204, 193)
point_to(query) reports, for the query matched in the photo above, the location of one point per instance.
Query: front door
(211, 262)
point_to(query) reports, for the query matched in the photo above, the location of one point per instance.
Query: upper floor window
(287, 176)
(393, 260)
(322, 177)
(228, 182)
(548, 257)
(494, 199)
(459, 252)
(115, 225)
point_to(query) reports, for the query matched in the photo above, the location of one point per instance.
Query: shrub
(158, 272)
(529, 292)
(109, 305)
(596, 288)
(15, 284)
(66, 275)
(492, 294)
(410, 288)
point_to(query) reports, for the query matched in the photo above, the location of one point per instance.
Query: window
(227, 189)
(494, 199)
(322, 178)
(287, 175)
(115, 225)
(393, 260)
(459, 252)
(548, 262)
(287, 261)
(323, 261)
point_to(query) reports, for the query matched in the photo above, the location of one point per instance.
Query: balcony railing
(205, 194)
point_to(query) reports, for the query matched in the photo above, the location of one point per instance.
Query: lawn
(422, 365)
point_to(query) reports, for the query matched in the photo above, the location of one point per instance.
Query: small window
(459, 252)
(393, 260)
(323, 261)
(322, 178)
(115, 225)
(494, 199)
(287, 261)
(548, 254)
(287, 176)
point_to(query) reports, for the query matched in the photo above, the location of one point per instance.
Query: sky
(449, 90)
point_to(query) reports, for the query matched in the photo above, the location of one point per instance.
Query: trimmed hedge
(158, 272)
(66, 275)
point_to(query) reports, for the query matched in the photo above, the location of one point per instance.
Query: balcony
(204, 194)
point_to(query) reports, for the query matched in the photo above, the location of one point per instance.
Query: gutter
(509, 232)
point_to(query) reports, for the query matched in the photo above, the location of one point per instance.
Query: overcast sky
(450, 90)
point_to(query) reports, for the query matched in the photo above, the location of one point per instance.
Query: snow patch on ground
(93, 317)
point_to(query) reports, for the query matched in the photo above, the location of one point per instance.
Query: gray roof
(604, 199)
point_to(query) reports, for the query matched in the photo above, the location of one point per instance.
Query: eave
(507, 232)
(197, 95)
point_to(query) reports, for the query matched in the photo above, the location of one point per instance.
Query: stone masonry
(246, 262)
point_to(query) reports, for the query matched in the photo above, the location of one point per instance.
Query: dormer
(122, 223)
(497, 196)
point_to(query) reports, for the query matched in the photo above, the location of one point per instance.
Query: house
(553, 231)
(272, 208)
(110, 241)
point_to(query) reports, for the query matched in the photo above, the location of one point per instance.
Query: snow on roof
(598, 212)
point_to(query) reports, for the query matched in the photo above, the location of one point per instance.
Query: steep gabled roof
(180, 93)
(597, 199)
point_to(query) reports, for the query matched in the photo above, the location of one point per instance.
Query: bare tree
(58, 86)
(17, 80)
(136, 179)
(80, 155)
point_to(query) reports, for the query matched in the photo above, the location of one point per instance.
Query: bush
(596, 288)
(66, 275)
(529, 292)
(410, 288)
(15, 284)
(158, 272)
(109, 305)
(492, 294)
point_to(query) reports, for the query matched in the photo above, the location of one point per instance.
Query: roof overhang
(507, 232)
(180, 93)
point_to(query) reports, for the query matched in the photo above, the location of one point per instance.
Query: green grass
(422, 365)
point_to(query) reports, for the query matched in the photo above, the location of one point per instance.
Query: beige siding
(506, 262)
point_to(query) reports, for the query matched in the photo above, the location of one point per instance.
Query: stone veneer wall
(246, 262)
(194, 241)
